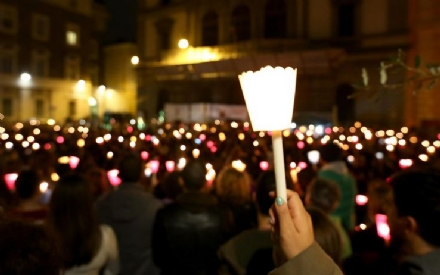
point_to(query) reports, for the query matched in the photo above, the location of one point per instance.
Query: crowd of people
(206, 215)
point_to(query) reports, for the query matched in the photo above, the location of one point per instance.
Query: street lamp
(269, 95)
(183, 43)
(135, 60)
(25, 77)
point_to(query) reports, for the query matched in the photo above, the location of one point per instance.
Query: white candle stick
(278, 154)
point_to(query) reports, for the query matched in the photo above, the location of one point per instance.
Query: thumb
(285, 222)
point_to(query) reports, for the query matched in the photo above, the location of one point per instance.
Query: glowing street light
(25, 77)
(92, 101)
(183, 43)
(135, 60)
(272, 90)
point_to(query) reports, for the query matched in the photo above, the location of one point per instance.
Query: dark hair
(265, 184)
(73, 220)
(324, 194)
(171, 185)
(130, 168)
(417, 194)
(26, 249)
(194, 175)
(326, 234)
(330, 152)
(27, 184)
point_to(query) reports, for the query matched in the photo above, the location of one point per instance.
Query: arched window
(275, 19)
(210, 29)
(241, 23)
(345, 104)
(346, 19)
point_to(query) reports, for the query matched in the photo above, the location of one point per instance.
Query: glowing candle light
(239, 165)
(313, 156)
(382, 227)
(154, 165)
(73, 162)
(264, 165)
(361, 200)
(405, 163)
(144, 155)
(44, 186)
(10, 180)
(113, 177)
(170, 165)
(196, 153)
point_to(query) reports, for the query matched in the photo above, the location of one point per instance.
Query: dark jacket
(187, 234)
(131, 211)
(427, 264)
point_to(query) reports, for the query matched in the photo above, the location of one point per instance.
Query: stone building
(51, 58)
(192, 51)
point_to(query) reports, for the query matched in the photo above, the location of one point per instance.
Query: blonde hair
(233, 186)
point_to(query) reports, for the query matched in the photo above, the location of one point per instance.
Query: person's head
(27, 184)
(97, 180)
(330, 152)
(73, 221)
(414, 209)
(265, 184)
(323, 194)
(233, 186)
(378, 193)
(172, 185)
(26, 249)
(194, 175)
(326, 234)
(130, 168)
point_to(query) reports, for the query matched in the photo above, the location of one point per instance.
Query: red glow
(73, 162)
(154, 166)
(130, 129)
(213, 149)
(328, 130)
(264, 165)
(60, 139)
(148, 138)
(47, 146)
(382, 227)
(144, 155)
(302, 165)
(202, 137)
(10, 181)
(170, 165)
(210, 144)
(300, 144)
(113, 177)
(361, 200)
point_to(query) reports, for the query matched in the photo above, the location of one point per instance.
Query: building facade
(329, 41)
(50, 58)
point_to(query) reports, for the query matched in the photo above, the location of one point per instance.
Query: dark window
(72, 108)
(346, 20)
(40, 66)
(164, 40)
(241, 24)
(6, 64)
(39, 108)
(164, 28)
(7, 107)
(275, 19)
(210, 29)
(165, 2)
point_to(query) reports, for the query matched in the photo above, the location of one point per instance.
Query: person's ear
(410, 226)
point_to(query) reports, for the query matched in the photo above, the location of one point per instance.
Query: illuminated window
(241, 24)
(72, 35)
(40, 27)
(210, 29)
(275, 19)
(8, 19)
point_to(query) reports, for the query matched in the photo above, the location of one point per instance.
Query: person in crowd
(27, 188)
(131, 211)
(98, 182)
(172, 186)
(188, 233)
(325, 195)
(413, 213)
(233, 189)
(236, 254)
(333, 168)
(295, 247)
(26, 249)
(85, 247)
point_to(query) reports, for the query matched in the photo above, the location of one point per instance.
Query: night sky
(121, 26)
